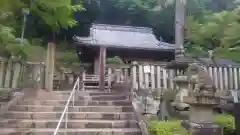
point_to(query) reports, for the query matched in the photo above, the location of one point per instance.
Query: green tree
(9, 45)
(218, 32)
(55, 14)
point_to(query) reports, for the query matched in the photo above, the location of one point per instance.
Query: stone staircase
(94, 113)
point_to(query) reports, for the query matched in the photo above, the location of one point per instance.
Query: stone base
(202, 128)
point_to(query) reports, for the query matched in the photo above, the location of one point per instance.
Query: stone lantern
(180, 65)
(201, 100)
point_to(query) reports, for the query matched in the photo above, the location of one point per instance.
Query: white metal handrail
(65, 111)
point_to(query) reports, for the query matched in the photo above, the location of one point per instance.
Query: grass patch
(227, 122)
(174, 126)
(166, 128)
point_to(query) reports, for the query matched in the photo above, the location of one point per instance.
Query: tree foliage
(9, 45)
(218, 32)
(46, 17)
(212, 24)
(55, 13)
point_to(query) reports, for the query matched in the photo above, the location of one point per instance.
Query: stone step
(77, 103)
(98, 98)
(108, 93)
(40, 108)
(68, 92)
(23, 123)
(95, 93)
(71, 115)
(93, 87)
(86, 131)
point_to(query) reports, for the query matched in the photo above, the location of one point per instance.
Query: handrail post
(66, 121)
(73, 99)
(83, 79)
(78, 88)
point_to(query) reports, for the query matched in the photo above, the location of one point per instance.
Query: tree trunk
(50, 62)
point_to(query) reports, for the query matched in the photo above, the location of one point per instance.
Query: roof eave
(82, 43)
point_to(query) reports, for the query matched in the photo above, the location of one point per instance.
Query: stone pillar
(153, 77)
(125, 74)
(221, 78)
(16, 73)
(146, 76)
(216, 77)
(165, 76)
(7, 83)
(37, 81)
(159, 78)
(96, 65)
(2, 66)
(110, 76)
(235, 78)
(231, 77)
(140, 72)
(118, 75)
(102, 65)
(50, 63)
(71, 79)
(225, 70)
(134, 75)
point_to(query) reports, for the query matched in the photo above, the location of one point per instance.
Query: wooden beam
(102, 65)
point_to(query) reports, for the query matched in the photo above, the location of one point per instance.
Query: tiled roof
(123, 37)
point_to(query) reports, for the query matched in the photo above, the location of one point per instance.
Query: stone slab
(110, 131)
(71, 115)
(40, 108)
(78, 103)
(27, 123)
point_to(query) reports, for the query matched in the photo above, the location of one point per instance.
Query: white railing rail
(65, 111)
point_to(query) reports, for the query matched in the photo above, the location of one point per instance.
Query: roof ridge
(122, 28)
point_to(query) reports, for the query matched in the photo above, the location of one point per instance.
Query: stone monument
(202, 100)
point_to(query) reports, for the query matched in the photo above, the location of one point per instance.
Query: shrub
(227, 122)
(166, 128)
(174, 126)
